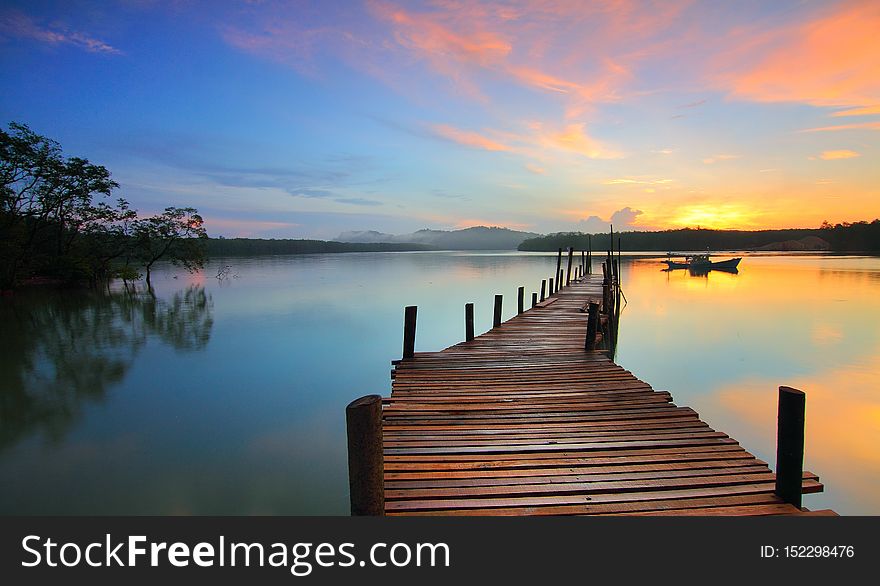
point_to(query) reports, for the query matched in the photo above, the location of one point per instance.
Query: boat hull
(728, 264)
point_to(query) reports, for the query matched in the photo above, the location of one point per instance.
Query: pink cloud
(829, 60)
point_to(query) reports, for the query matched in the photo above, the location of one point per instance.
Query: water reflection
(61, 350)
(724, 343)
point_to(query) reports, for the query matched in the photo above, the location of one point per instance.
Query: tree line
(258, 246)
(844, 237)
(57, 220)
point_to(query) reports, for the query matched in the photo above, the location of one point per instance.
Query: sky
(307, 119)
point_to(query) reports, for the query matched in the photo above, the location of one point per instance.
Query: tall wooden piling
(520, 294)
(468, 321)
(409, 331)
(790, 445)
(568, 271)
(496, 318)
(366, 467)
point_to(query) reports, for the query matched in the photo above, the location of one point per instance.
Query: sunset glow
(307, 119)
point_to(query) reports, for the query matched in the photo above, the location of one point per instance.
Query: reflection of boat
(701, 262)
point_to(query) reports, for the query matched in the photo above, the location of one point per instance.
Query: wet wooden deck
(523, 421)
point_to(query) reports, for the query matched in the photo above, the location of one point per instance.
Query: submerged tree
(177, 234)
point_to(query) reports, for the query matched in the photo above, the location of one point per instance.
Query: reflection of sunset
(843, 424)
(723, 343)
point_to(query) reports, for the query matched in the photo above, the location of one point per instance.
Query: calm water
(227, 396)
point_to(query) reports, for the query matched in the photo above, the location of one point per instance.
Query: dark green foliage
(53, 222)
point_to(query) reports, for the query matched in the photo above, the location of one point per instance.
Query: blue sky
(306, 119)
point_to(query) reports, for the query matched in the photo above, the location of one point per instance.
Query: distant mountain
(477, 238)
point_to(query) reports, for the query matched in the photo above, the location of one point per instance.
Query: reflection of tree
(58, 351)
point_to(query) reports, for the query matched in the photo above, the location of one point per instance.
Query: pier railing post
(409, 332)
(543, 289)
(592, 325)
(520, 300)
(468, 321)
(496, 317)
(366, 467)
(790, 445)
(558, 268)
(534, 299)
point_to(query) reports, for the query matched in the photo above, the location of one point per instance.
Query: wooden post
(534, 299)
(366, 467)
(592, 325)
(583, 262)
(543, 288)
(468, 322)
(790, 445)
(409, 332)
(568, 272)
(520, 293)
(496, 318)
(558, 268)
(551, 286)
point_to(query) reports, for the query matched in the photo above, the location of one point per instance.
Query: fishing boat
(701, 262)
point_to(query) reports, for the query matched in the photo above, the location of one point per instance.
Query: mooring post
(409, 331)
(496, 318)
(468, 322)
(592, 325)
(366, 467)
(568, 272)
(543, 288)
(551, 286)
(790, 445)
(583, 262)
(534, 299)
(520, 294)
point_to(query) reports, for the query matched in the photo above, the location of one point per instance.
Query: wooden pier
(526, 420)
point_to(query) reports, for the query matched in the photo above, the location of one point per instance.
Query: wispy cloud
(536, 169)
(16, 24)
(468, 138)
(839, 154)
(716, 158)
(855, 126)
(866, 111)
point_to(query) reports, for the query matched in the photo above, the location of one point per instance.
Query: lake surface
(227, 396)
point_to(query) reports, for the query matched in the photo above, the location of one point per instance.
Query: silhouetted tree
(177, 234)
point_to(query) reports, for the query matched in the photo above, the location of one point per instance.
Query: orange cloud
(829, 61)
(840, 154)
(573, 138)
